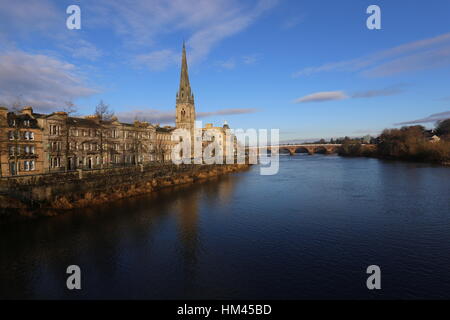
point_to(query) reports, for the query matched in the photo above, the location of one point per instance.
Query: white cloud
(41, 81)
(228, 64)
(157, 60)
(205, 23)
(81, 49)
(29, 16)
(322, 96)
(418, 55)
(341, 95)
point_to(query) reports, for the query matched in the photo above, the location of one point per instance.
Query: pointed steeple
(184, 92)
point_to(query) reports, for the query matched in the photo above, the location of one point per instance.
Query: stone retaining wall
(68, 190)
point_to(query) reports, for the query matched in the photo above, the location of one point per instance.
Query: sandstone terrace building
(34, 143)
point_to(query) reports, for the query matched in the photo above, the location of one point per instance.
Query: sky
(310, 68)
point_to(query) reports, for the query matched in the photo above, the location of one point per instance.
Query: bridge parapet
(309, 148)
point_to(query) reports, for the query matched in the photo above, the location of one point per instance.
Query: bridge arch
(301, 150)
(321, 150)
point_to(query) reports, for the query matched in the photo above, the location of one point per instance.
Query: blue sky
(310, 68)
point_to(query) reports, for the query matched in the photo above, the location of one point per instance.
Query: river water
(310, 231)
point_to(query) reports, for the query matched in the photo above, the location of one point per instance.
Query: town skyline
(249, 63)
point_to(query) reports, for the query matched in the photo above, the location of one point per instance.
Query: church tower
(185, 109)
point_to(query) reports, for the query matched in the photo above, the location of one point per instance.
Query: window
(55, 162)
(11, 135)
(26, 135)
(26, 166)
(26, 123)
(55, 129)
(32, 149)
(32, 166)
(11, 150)
(31, 134)
(27, 149)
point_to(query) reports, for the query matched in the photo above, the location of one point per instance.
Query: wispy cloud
(293, 21)
(157, 116)
(233, 62)
(342, 95)
(157, 60)
(205, 23)
(431, 118)
(389, 91)
(27, 17)
(81, 49)
(227, 64)
(224, 112)
(322, 96)
(418, 55)
(41, 19)
(138, 24)
(41, 81)
(251, 59)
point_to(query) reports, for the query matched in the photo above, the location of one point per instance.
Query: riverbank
(51, 194)
(427, 152)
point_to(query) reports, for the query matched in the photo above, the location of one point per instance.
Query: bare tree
(105, 116)
(70, 109)
(103, 112)
(158, 150)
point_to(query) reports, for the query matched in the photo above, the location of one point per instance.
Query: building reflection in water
(113, 243)
(187, 208)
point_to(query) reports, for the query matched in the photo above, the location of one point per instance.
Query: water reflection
(35, 254)
(308, 232)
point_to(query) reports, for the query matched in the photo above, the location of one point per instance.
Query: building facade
(34, 143)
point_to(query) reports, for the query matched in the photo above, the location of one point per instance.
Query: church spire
(184, 92)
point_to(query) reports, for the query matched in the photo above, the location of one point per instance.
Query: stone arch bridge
(305, 148)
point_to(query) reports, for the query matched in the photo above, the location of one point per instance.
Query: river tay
(308, 232)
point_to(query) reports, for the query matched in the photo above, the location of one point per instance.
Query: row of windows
(94, 146)
(27, 165)
(56, 130)
(16, 135)
(14, 123)
(17, 150)
(55, 162)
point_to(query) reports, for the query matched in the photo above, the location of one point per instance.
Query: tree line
(413, 143)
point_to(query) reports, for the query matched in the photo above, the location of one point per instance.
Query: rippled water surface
(308, 232)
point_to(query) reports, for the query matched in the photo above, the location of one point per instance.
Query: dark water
(308, 232)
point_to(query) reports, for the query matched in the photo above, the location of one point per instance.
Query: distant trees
(443, 129)
(408, 143)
